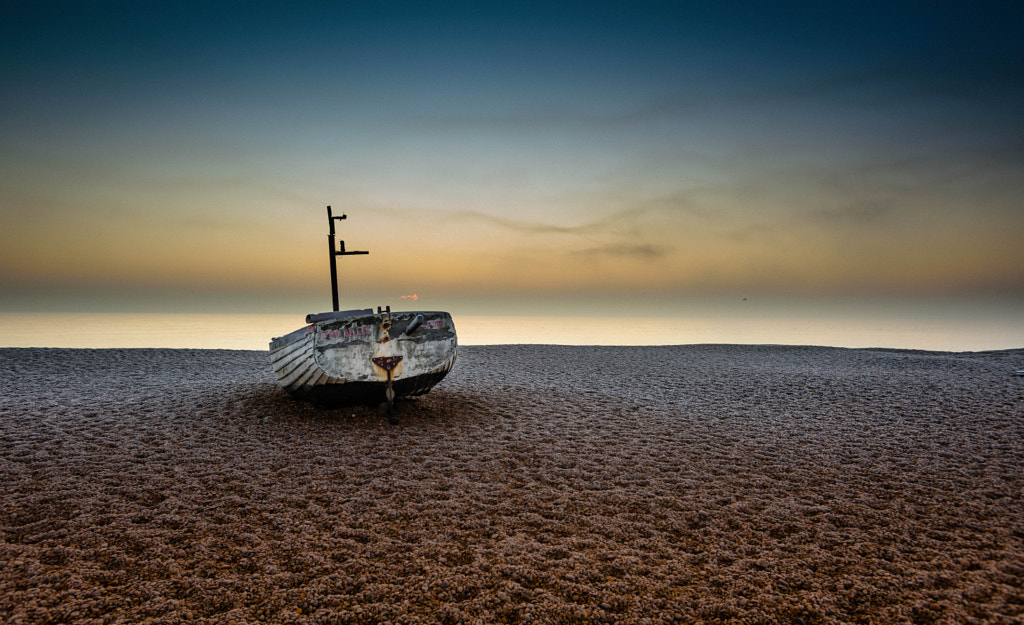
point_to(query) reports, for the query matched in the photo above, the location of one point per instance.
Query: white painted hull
(331, 360)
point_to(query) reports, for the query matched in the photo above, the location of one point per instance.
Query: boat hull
(332, 360)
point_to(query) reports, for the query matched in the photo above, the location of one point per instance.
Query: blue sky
(547, 150)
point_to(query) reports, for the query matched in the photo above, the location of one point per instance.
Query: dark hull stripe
(370, 393)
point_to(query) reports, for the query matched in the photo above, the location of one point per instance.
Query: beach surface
(536, 484)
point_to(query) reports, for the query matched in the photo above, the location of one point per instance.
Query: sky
(181, 154)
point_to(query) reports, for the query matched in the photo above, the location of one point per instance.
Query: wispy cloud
(517, 225)
(861, 213)
(640, 252)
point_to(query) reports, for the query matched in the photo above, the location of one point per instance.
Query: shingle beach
(536, 484)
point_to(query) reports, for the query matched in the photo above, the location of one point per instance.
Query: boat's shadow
(440, 406)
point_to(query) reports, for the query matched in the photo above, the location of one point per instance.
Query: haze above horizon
(180, 156)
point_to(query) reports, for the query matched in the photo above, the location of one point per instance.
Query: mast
(334, 254)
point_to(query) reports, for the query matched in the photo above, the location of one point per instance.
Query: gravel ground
(536, 484)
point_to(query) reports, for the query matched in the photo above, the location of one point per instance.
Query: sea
(254, 331)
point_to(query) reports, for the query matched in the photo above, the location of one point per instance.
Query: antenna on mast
(335, 253)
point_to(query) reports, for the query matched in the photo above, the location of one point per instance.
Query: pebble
(513, 487)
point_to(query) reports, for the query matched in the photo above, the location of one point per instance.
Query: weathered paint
(332, 359)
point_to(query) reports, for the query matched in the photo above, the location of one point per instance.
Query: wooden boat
(363, 357)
